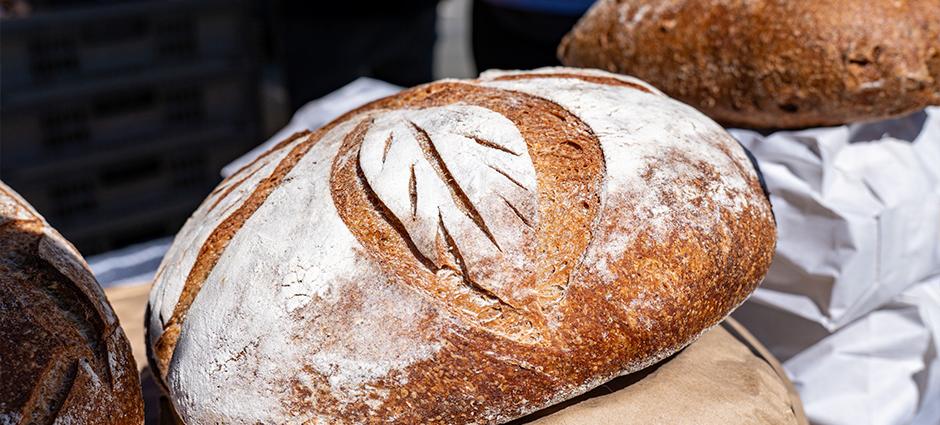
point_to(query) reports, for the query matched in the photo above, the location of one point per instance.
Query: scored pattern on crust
(503, 287)
(449, 270)
(72, 360)
(460, 182)
(479, 221)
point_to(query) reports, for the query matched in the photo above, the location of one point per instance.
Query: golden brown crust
(63, 355)
(771, 63)
(569, 164)
(695, 287)
(563, 325)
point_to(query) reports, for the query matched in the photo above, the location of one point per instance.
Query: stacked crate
(116, 118)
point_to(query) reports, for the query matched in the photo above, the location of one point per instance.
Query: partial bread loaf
(63, 356)
(771, 63)
(462, 252)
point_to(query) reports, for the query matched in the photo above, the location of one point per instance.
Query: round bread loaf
(771, 63)
(462, 252)
(63, 356)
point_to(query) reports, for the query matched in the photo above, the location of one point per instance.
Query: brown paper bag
(724, 378)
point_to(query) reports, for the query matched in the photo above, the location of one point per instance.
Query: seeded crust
(562, 329)
(63, 355)
(771, 63)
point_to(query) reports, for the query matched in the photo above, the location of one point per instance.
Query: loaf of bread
(462, 252)
(63, 356)
(771, 63)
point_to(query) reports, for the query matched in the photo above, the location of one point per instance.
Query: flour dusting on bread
(463, 252)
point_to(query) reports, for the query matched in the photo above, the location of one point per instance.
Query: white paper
(133, 264)
(851, 304)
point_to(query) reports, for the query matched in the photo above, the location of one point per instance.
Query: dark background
(116, 117)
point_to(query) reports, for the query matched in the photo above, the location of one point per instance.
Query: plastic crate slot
(138, 234)
(123, 103)
(111, 31)
(176, 39)
(52, 56)
(130, 171)
(189, 171)
(63, 129)
(184, 106)
(72, 198)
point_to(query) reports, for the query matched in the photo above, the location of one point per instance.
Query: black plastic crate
(119, 233)
(41, 132)
(100, 40)
(113, 199)
(116, 116)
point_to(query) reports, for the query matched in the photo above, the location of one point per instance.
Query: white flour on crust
(179, 260)
(241, 326)
(293, 300)
(635, 129)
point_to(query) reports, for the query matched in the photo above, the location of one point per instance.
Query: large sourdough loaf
(771, 63)
(63, 356)
(462, 252)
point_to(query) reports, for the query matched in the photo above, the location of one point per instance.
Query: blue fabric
(560, 7)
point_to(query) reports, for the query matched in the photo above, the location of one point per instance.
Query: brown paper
(129, 303)
(724, 378)
(717, 380)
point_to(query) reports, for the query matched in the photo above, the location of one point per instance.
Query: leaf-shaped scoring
(458, 177)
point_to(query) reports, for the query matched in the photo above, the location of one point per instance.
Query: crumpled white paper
(851, 304)
(129, 265)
